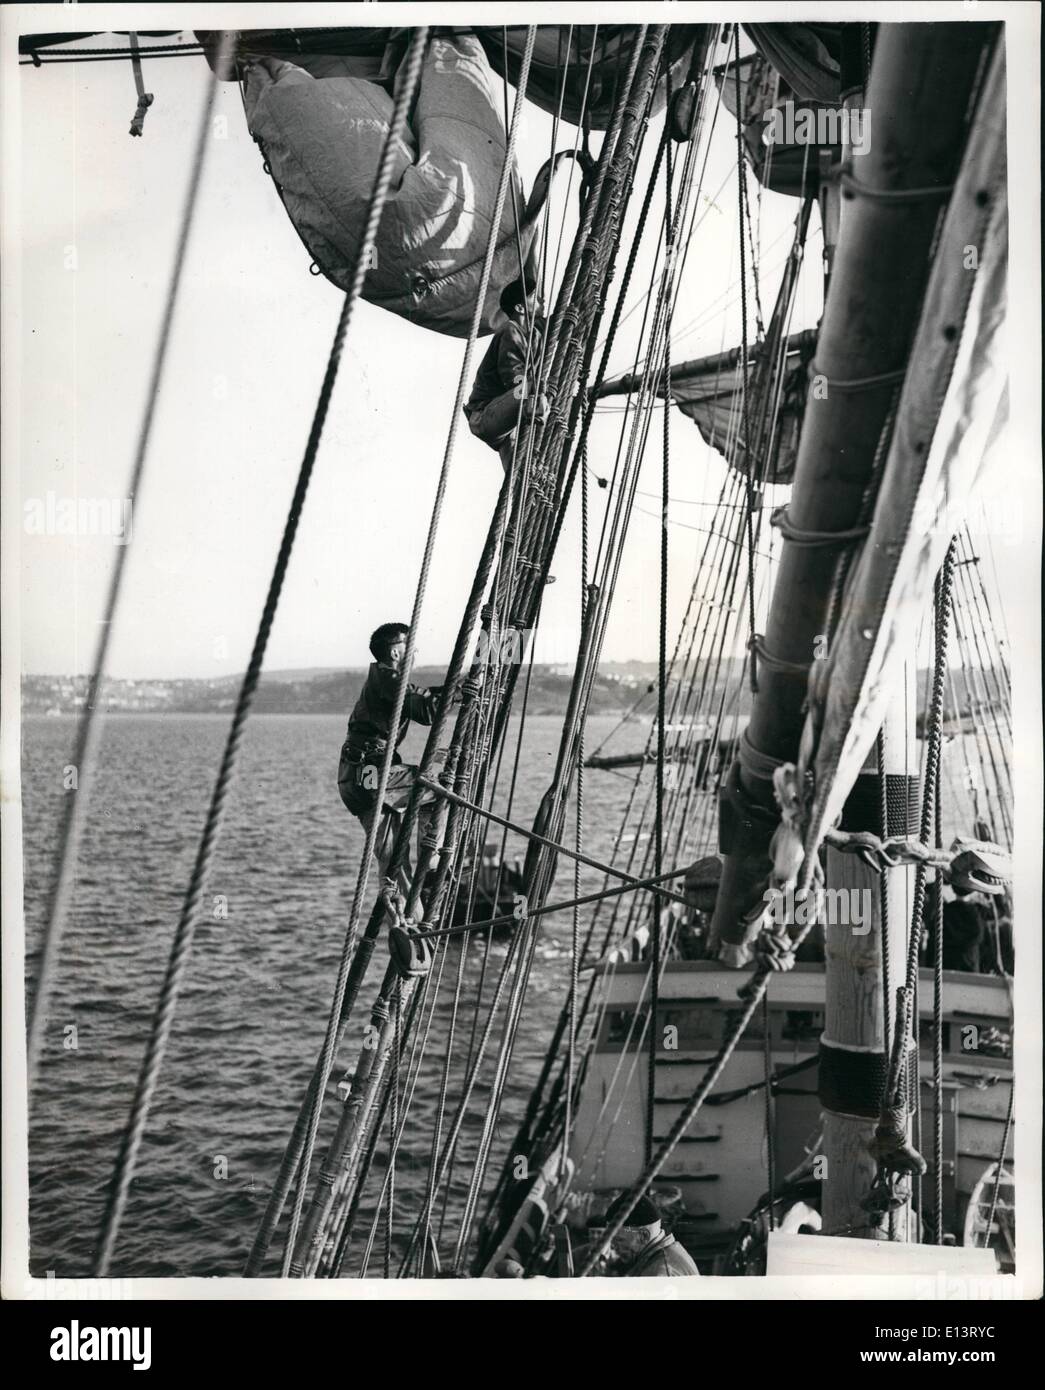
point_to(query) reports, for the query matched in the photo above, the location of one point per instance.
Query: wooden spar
(855, 1007)
(702, 366)
(920, 93)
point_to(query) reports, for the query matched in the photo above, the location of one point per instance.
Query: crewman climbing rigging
(369, 729)
(503, 385)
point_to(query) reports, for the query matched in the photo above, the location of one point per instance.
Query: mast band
(859, 383)
(781, 519)
(853, 1083)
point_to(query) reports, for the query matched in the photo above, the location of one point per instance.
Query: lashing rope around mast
(182, 944)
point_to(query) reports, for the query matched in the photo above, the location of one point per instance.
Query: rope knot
(891, 1148)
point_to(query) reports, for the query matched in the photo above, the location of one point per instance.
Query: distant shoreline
(618, 688)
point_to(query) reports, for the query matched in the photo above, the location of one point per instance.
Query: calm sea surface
(253, 1011)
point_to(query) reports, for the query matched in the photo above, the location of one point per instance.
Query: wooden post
(855, 1014)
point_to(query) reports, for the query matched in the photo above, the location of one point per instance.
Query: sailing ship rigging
(757, 1080)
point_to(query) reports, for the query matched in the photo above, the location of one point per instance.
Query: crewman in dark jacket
(363, 751)
(646, 1250)
(502, 384)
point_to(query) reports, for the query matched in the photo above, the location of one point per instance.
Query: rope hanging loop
(145, 99)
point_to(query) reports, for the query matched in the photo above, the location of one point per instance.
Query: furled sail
(322, 137)
(785, 159)
(713, 400)
(807, 56)
(710, 390)
(318, 103)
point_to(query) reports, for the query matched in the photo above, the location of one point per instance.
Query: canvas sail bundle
(322, 138)
(784, 136)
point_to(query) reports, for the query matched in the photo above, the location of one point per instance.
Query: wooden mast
(866, 920)
(919, 93)
(868, 911)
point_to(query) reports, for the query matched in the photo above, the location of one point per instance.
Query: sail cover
(319, 101)
(322, 137)
(924, 491)
(807, 57)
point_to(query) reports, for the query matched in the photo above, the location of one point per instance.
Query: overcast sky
(253, 329)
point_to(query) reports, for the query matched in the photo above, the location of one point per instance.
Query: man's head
(388, 644)
(520, 298)
(640, 1229)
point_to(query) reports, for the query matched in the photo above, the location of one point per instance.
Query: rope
(857, 188)
(781, 519)
(749, 493)
(662, 640)
(182, 945)
(860, 383)
(535, 539)
(360, 964)
(897, 1159)
(145, 99)
(575, 927)
(573, 722)
(767, 1062)
(938, 1038)
(116, 56)
(393, 1123)
(883, 894)
(757, 647)
(364, 871)
(144, 49)
(1001, 1164)
(87, 733)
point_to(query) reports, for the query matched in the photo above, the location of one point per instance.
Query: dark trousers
(357, 784)
(494, 423)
